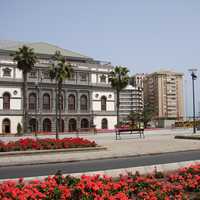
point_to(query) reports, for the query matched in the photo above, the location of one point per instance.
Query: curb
(123, 171)
(189, 137)
(19, 153)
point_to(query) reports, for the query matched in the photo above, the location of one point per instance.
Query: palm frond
(61, 70)
(25, 58)
(119, 78)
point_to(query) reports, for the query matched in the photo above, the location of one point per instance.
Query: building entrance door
(6, 126)
(72, 125)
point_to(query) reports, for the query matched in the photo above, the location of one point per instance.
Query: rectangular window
(7, 72)
(72, 78)
(103, 78)
(83, 76)
(46, 74)
(32, 74)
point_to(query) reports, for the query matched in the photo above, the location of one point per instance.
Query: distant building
(138, 80)
(87, 97)
(163, 90)
(131, 100)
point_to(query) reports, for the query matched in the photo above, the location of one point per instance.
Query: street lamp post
(92, 125)
(138, 106)
(194, 77)
(36, 106)
(132, 108)
(56, 110)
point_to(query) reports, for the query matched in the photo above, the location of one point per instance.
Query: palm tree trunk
(25, 112)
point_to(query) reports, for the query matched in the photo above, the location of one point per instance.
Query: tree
(19, 129)
(26, 59)
(119, 79)
(134, 117)
(147, 114)
(60, 71)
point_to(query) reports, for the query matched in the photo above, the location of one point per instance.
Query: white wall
(96, 106)
(93, 78)
(110, 106)
(12, 71)
(103, 93)
(14, 120)
(99, 78)
(15, 104)
(96, 78)
(11, 91)
(18, 74)
(96, 103)
(15, 100)
(112, 121)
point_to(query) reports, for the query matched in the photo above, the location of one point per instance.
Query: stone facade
(87, 96)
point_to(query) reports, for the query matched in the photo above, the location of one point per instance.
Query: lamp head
(193, 73)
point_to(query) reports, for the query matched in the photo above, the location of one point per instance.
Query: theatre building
(87, 97)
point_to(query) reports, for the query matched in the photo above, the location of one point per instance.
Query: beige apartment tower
(163, 90)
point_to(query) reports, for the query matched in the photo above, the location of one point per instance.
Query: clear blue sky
(143, 35)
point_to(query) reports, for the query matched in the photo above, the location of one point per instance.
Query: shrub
(47, 143)
(19, 129)
(183, 184)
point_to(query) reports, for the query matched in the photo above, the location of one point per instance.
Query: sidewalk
(159, 141)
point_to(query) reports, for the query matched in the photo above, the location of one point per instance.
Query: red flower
(32, 144)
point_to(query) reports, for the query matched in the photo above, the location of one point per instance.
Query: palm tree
(119, 79)
(26, 59)
(60, 71)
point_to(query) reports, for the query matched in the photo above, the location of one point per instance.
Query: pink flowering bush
(183, 184)
(40, 144)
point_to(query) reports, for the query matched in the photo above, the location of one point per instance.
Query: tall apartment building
(163, 90)
(131, 99)
(87, 97)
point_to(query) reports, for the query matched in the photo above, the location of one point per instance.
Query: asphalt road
(96, 165)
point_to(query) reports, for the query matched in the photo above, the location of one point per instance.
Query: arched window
(6, 101)
(33, 125)
(83, 102)
(103, 78)
(71, 102)
(6, 126)
(84, 123)
(47, 125)
(104, 123)
(103, 103)
(32, 101)
(46, 102)
(72, 125)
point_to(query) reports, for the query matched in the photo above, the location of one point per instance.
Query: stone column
(78, 96)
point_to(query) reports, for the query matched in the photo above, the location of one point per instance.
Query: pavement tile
(156, 141)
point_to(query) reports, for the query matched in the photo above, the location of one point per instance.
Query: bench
(139, 131)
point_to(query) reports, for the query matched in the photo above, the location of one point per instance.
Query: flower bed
(181, 185)
(42, 144)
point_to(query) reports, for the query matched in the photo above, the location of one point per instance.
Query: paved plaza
(155, 141)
